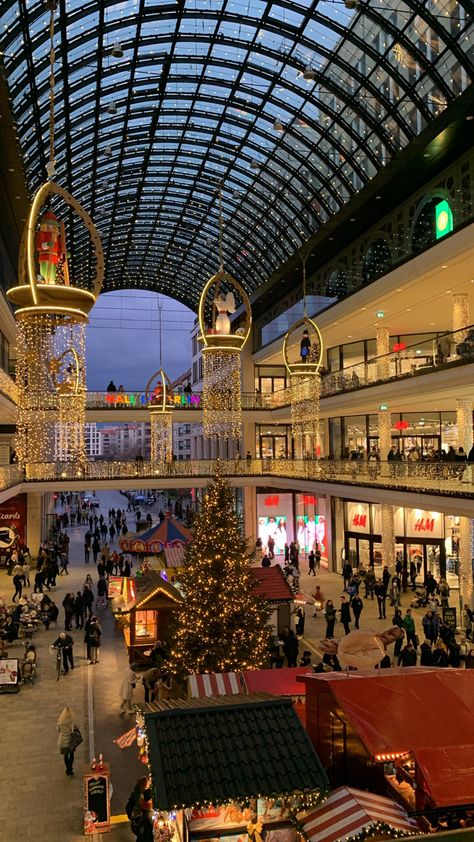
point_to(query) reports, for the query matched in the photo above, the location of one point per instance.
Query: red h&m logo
(399, 346)
(359, 520)
(272, 500)
(424, 524)
(308, 500)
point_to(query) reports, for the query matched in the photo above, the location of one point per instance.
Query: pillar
(249, 499)
(6, 446)
(461, 317)
(464, 423)
(466, 541)
(385, 433)
(34, 513)
(388, 535)
(382, 337)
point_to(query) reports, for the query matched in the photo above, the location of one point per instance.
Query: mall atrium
(299, 175)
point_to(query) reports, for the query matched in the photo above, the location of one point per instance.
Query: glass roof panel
(292, 104)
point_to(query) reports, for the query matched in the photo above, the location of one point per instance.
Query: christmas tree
(223, 625)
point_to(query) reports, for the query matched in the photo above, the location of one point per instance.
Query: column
(33, 521)
(250, 514)
(466, 541)
(388, 536)
(464, 423)
(385, 433)
(461, 317)
(382, 337)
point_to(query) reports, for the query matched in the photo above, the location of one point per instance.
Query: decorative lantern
(221, 354)
(303, 364)
(52, 312)
(159, 396)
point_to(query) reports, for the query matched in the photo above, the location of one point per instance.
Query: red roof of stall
(448, 774)
(281, 682)
(271, 584)
(406, 709)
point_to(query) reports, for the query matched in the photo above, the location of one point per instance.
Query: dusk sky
(123, 339)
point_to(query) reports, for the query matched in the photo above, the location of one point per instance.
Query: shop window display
(145, 624)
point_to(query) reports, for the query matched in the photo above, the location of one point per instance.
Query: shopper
(26, 573)
(300, 620)
(18, 582)
(330, 617)
(381, 594)
(440, 655)
(88, 597)
(370, 582)
(407, 656)
(68, 605)
(290, 646)
(65, 644)
(149, 679)
(346, 573)
(311, 563)
(102, 592)
(430, 625)
(65, 727)
(426, 654)
(129, 681)
(357, 606)
(79, 606)
(92, 635)
(345, 612)
(409, 626)
(87, 550)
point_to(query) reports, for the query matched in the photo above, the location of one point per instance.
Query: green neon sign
(443, 219)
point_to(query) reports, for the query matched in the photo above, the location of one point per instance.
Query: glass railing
(429, 477)
(8, 386)
(10, 475)
(442, 352)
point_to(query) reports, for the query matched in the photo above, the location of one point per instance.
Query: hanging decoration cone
(223, 343)
(305, 379)
(52, 312)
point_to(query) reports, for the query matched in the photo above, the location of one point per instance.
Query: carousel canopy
(168, 533)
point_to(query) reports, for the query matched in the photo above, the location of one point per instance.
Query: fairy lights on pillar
(461, 316)
(303, 367)
(388, 535)
(464, 423)
(382, 338)
(159, 395)
(221, 354)
(51, 316)
(465, 560)
(384, 420)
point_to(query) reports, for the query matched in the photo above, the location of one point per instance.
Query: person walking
(300, 620)
(370, 582)
(102, 592)
(407, 656)
(92, 634)
(409, 626)
(290, 646)
(311, 563)
(357, 605)
(386, 577)
(381, 594)
(128, 684)
(95, 549)
(330, 617)
(397, 620)
(426, 654)
(346, 573)
(18, 582)
(413, 575)
(87, 550)
(65, 644)
(68, 605)
(65, 727)
(88, 597)
(26, 573)
(345, 612)
(79, 610)
(112, 533)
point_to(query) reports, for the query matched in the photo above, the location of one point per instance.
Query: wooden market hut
(147, 616)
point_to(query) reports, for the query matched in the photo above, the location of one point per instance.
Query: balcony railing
(428, 477)
(10, 475)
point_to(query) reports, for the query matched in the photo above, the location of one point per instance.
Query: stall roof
(281, 682)
(169, 533)
(448, 774)
(406, 709)
(348, 812)
(217, 750)
(144, 587)
(271, 584)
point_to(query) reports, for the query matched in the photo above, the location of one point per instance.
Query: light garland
(461, 317)
(382, 338)
(221, 397)
(465, 560)
(35, 424)
(464, 423)
(305, 405)
(388, 535)
(161, 435)
(384, 420)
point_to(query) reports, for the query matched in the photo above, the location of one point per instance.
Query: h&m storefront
(429, 539)
(289, 516)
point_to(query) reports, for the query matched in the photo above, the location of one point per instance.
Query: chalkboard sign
(97, 800)
(449, 617)
(9, 675)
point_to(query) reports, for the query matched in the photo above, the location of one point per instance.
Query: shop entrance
(424, 444)
(273, 446)
(426, 554)
(362, 550)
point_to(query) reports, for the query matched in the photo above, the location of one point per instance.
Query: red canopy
(448, 774)
(271, 584)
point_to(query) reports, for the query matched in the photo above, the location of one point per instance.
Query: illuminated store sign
(134, 399)
(443, 219)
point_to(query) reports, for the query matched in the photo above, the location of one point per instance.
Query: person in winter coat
(129, 681)
(397, 620)
(65, 727)
(92, 633)
(408, 655)
(454, 655)
(357, 606)
(346, 573)
(330, 617)
(345, 612)
(102, 591)
(88, 597)
(370, 582)
(65, 644)
(381, 594)
(79, 610)
(470, 660)
(290, 646)
(426, 654)
(149, 679)
(300, 620)
(68, 605)
(409, 626)
(440, 655)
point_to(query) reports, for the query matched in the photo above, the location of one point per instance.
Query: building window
(145, 624)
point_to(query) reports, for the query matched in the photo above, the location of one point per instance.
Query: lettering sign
(399, 346)
(359, 520)
(140, 399)
(13, 522)
(402, 425)
(272, 500)
(97, 801)
(308, 500)
(449, 616)
(425, 524)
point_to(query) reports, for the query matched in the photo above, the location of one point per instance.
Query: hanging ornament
(159, 397)
(303, 364)
(221, 297)
(51, 315)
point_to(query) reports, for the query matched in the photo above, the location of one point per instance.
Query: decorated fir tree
(223, 625)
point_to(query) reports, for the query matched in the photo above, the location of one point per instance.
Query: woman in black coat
(330, 616)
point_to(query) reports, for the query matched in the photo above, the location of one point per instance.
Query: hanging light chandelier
(303, 366)
(52, 312)
(221, 354)
(159, 396)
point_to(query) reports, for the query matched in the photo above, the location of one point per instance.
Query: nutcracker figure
(49, 246)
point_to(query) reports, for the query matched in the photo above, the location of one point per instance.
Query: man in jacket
(346, 617)
(409, 626)
(381, 594)
(65, 643)
(369, 582)
(357, 606)
(408, 656)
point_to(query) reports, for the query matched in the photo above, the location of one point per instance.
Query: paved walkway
(33, 783)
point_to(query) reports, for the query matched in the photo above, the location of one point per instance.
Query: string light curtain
(158, 393)
(36, 400)
(221, 355)
(68, 372)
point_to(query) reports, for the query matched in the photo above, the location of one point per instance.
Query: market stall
(169, 533)
(148, 614)
(273, 587)
(200, 795)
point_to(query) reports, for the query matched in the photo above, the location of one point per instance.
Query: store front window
(290, 517)
(273, 442)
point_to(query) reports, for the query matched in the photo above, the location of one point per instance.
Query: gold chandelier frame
(232, 342)
(300, 368)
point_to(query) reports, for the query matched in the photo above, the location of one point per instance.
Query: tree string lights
(223, 625)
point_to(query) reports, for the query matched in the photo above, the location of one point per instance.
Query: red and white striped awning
(347, 812)
(215, 684)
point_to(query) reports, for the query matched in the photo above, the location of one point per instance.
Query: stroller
(28, 666)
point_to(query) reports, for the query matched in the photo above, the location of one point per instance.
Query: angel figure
(224, 304)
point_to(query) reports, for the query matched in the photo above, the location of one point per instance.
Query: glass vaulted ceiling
(144, 140)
